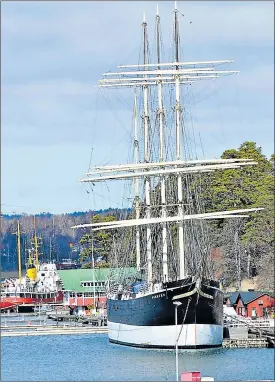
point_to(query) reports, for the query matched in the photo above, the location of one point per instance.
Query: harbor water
(92, 358)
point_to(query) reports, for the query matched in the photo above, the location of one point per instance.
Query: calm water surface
(91, 357)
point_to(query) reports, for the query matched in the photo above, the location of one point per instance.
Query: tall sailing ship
(40, 285)
(173, 297)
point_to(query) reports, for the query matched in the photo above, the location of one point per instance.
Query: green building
(85, 287)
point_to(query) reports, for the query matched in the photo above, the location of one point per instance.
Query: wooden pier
(94, 320)
(240, 333)
(245, 343)
(32, 325)
(50, 330)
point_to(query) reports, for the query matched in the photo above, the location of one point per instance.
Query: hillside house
(253, 304)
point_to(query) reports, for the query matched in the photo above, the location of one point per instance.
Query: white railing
(234, 324)
(261, 323)
(242, 321)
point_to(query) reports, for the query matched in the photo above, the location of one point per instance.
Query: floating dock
(50, 330)
(245, 343)
(16, 324)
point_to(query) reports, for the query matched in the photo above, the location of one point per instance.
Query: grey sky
(53, 53)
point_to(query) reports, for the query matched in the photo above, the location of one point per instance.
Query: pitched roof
(233, 297)
(250, 296)
(247, 296)
(72, 278)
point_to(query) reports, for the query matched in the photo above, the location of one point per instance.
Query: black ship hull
(149, 320)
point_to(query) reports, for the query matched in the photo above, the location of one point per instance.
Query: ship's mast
(178, 146)
(160, 75)
(146, 155)
(19, 251)
(35, 243)
(162, 145)
(50, 249)
(18, 236)
(93, 265)
(137, 208)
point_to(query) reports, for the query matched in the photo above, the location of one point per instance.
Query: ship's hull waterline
(17, 300)
(149, 321)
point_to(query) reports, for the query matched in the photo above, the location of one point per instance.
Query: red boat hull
(9, 302)
(6, 305)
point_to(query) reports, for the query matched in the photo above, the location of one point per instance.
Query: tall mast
(18, 234)
(161, 136)
(137, 208)
(93, 265)
(50, 249)
(35, 243)
(178, 139)
(159, 74)
(19, 251)
(146, 156)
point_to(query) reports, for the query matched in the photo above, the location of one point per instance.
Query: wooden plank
(245, 343)
(56, 331)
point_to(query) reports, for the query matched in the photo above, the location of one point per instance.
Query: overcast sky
(53, 116)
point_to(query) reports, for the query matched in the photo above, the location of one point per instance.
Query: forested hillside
(246, 245)
(240, 248)
(57, 239)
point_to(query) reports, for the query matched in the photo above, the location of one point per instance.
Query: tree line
(239, 248)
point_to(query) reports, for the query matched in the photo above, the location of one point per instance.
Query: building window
(241, 311)
(87, 284)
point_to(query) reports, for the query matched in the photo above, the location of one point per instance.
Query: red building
(252, 304)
